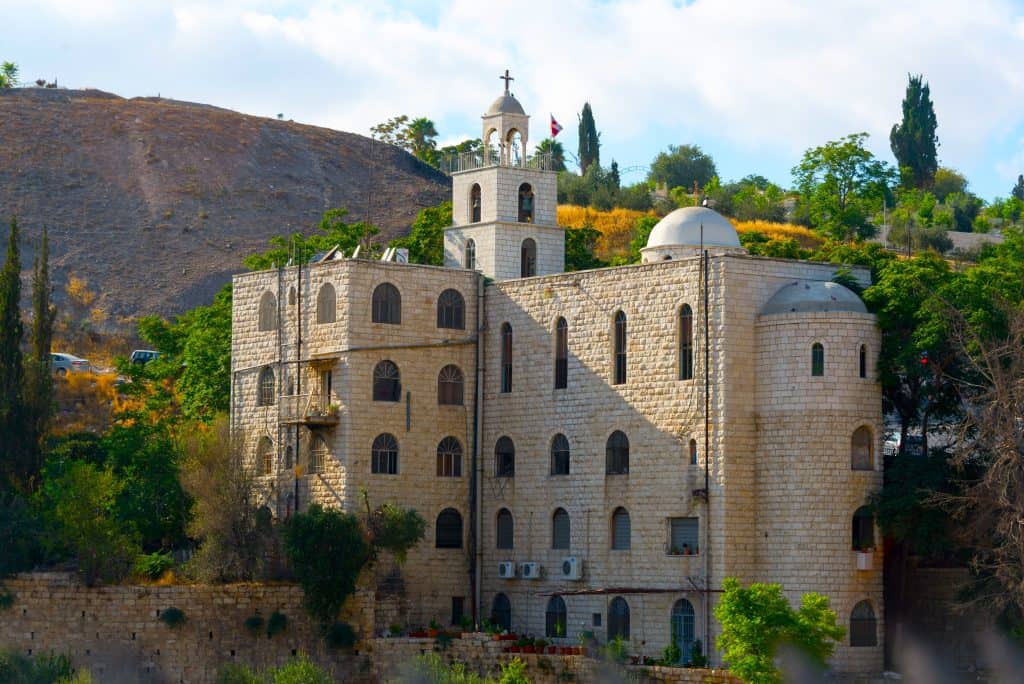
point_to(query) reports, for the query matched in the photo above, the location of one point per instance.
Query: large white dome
(813, 296)
(682, 227)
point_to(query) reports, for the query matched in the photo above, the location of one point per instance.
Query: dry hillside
(155, 202)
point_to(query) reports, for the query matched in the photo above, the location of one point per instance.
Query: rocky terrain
(155, 202)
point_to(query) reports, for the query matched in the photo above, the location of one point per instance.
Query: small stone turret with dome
(682, 233)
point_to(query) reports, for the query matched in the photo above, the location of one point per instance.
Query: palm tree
(420, 137)
(8, 75)
(550, 146)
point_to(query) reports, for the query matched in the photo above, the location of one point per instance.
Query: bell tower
(503, 202)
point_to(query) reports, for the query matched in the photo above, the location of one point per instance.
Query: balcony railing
(468, 161)
(308, 409)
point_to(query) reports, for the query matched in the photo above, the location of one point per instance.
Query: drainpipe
(476, 477)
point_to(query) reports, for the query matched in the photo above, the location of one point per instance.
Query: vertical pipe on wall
(476, 470)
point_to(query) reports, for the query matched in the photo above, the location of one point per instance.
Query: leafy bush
(172, 617)
(6, 600)
(397, 529)
(234, 673)
(16, 668)
(254, 623)
(757, 621)
(19, 535)
(514, 673)
(697, 657)
(430, 669)
(153, 565)
(616, 650)
(300, 670)
(340, 635)
(326, 551)
(277, 623)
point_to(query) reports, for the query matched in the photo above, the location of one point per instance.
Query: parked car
(915, 445)
(143, 356)
(61, 364)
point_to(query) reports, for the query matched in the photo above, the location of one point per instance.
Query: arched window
(863, 626)
(387, 304)
(619, 375)
(621, 530)
(528, 258)
(387, 382)
(449, 386)
(525, 203)
(291, 295)
(693, 452)
(618, 619)
(504, 530)
(863, 359)
(504, 458)
(616, 452)
(449, 529)
(474, 205)
(317, 454)
(863, 529)
(686, 343)
(555, 617)
(449, 458)
(385, 455)
(268, 312)
(683, 627)
(451, 310)
(861, 449)
(506, 357)
(561, 354)
(817, 359)
(265, 456)
(471, 254)
(326, 304)
(561, 527)
(266, 387)
(559, 455)
(501, 612)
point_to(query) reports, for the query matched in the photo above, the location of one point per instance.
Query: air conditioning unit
(572, 568)
(531, 570)
(506, 570)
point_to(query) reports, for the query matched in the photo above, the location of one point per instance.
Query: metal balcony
(311, 410)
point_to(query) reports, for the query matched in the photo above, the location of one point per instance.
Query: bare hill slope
(155, 202)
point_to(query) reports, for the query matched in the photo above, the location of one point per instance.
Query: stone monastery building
(593, 451)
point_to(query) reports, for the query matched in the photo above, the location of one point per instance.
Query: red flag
(556, 127)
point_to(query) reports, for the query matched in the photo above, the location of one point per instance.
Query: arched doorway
(683, 628)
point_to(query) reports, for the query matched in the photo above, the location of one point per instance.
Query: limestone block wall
(659, 414)
(499, 194)
(349, 348)
(462, 184)
(807, 488)
(499, 248)
(116, 633)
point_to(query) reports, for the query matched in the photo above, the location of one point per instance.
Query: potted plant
(418, 633)
(433, 629)
(333, 408)
(697, 657)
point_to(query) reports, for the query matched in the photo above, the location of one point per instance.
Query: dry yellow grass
(805, 237)
(616, 226)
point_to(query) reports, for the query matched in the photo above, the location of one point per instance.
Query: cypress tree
(913, 140)
(39, 388)
(11, 369)
(590, 140)
(1018, 189)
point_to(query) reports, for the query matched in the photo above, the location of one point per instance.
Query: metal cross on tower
(506, 78)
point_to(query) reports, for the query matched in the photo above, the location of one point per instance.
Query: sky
(753, 83)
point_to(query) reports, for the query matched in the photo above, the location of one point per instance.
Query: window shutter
(621, 531)
(560, 530)
(685, 531)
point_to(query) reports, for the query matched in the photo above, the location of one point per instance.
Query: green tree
(8, 75)
(420, 136)
(682, 166)
(841, 184)
(757, 622)
(590, 140)
(20, 535)
(334, 232)
(326, 550)
(948, 181)
(425, 240)
(554, 149)
(913, 140)
(39, 377)
(78, 500)
(391, 131)
(1018, 189)
(580, 244)
(12, 407)
(642, 231)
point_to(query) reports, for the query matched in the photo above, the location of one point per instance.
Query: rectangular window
(684, 536)
(458, 609)
(596, 620)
